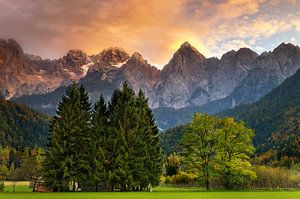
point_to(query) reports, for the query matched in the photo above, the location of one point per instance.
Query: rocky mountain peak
(185, 58)
(246, 55)
(186, 50)
(228, 55)
(75, 54)
(246, 52)
(76, 58)
(285, 48)
(242, 55)
(10, 48)
(113, 56)
(137, 58)
(137, 63)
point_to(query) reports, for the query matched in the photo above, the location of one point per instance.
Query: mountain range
(189, 82)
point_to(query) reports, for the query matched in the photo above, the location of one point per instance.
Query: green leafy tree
(233, 153)
(200, 146)
(220, 149)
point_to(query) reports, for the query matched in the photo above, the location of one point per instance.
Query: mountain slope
(21, 127)
(268, 114)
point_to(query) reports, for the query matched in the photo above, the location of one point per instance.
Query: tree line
(112, 146)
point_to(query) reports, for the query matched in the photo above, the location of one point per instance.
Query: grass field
(23, 192)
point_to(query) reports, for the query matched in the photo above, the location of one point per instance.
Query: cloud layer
(155, 28)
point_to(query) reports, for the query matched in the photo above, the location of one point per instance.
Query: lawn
(158, 193)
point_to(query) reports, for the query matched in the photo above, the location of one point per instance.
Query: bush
(182, 178)
(277, 177)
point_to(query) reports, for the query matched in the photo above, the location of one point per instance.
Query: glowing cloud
(154, 28)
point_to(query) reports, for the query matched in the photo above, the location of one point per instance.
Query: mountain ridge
(188, 81)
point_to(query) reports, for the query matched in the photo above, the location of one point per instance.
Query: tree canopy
(219, 150)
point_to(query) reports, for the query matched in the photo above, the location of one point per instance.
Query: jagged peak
(228, 54)
(113, 49)
(75, 52)
(240, 53)
(11, 45)
(137, 56)
(246, 51)
(186, 50)
(113, 56)
(136, 59)
(284, 46)
(186, 44)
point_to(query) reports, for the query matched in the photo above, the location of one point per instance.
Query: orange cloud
(154, 28)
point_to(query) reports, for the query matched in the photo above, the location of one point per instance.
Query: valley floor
(159, 193)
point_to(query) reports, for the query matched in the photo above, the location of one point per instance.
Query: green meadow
(24, 192)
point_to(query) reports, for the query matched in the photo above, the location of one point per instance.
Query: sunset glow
(154, 28)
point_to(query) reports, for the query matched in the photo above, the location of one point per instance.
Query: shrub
(182, 178)
(276, 177)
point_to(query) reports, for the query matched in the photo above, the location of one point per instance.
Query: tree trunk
(207, 184)
(74, 186)
(97, 187)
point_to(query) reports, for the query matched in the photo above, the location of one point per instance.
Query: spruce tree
(150, 133)
(123, 122)
(99, 143)
(67, 158)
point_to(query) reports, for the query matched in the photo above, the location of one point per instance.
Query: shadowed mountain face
(188, 83)
(22, 127)
(272, 111)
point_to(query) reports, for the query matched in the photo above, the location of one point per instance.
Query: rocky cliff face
(188, 80)
(22, 74)
(135, 70)
(185, 73)
(269, 70)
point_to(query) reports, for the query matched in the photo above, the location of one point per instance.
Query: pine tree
(123, 122)
(67, 159)
(99, 146)
(149, 134)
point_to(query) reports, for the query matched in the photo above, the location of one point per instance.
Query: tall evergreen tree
(67, 159)
(150, 135)
(123, 123)
(99, 143)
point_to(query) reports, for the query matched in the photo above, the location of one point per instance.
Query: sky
(154, 28)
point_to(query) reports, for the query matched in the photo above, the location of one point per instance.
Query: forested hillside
(21, 126)
(271, 112)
